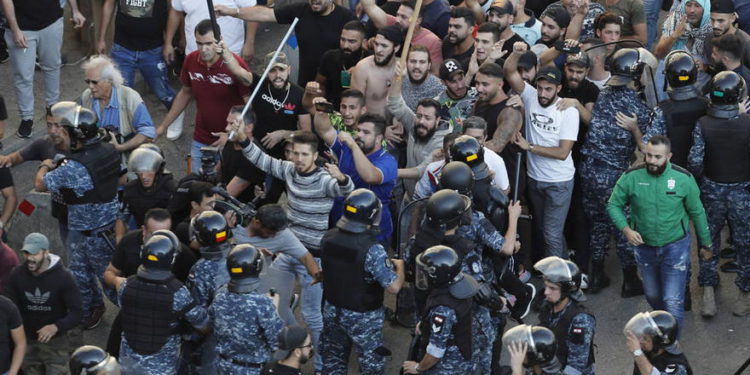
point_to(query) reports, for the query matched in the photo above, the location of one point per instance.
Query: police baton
(265, 72)
(212, 16)
(519, 160)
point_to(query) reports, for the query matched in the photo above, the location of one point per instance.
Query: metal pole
(212, 16)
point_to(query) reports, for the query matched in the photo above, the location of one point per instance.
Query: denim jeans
(664, 272)
(549, 206)
(281, 275)
(196, 154)
(151, 65)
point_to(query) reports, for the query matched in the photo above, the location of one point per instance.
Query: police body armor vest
(463, 248)
(461, 334)
(140, 200)
(147, 316)
(662, 361)
(727, 152)
(343, 260)
(680, 118)
(102, 162)
(562, 330)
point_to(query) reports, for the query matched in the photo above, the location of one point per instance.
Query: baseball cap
(449, 67)
(290, 338)
(528, 60)
(502, 7)
(558, 14)
(549, 73)
(581, 59)
(35, 243)
(722, 6)
(281, 60)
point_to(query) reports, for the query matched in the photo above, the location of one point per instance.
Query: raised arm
(377, 15)
(365, 169)
(512, 76)
(258, 13)
(322, 124)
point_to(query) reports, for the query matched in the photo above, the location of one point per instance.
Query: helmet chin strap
(683, 93)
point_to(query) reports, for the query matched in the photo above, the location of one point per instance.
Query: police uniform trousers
(343, 328)
(89, 256)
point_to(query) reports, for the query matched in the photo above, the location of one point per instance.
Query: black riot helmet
(727, 88)
(457, 176)
(540, 342)
(362, 210)
(562, 272)
(440, 267)
(157, 256)
(92, 360)
(79, 122)
(145, 159)
(210, 228)
(447, 209)
(244, 263)
(625, 66)
(468, 150)
(680, 69)
(659, 324)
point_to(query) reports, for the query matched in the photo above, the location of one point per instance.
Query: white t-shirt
(496, 164)
(600, 84)
(232, 29)
(547, 127)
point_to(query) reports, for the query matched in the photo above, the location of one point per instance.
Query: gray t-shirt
(412, 93)
(284, 242)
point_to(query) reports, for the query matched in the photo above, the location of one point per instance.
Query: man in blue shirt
(116, 105)
(363, 158)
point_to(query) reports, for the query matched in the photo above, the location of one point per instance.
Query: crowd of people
(478, 172)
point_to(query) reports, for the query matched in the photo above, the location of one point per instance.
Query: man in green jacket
(663, 198)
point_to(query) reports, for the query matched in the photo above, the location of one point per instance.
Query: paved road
(717, 346)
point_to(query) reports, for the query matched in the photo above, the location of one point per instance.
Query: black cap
(550, 74)
(581, 59)
(449, 67)
(528, 60)
(722, 6)
(290, 338)
(558, 14)
(502, 7)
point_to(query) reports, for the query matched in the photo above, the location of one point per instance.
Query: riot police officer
(446, 325)
(154, 304)
(532, 350)
(153, 187)
(562, 313)
(677, 115)
(356, 270)
(92, 360)
(212, 232)
(721, 145)
(87, 181)
(245, 322)
(652, 338)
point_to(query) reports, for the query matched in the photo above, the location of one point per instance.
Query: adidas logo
(38, 297)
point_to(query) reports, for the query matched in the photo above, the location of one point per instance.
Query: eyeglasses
(91, 81)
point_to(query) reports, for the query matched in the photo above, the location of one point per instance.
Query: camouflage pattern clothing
(87, 224)
(165, 360)
(343, 327)
(606, 155)
(246, 327)
(724, 203)
(451, 362)
(455, 111)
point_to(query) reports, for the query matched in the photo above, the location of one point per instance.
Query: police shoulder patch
(437, 323)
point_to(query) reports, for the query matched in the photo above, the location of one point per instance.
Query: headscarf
(699, 34)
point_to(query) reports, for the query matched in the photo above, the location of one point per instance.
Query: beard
(426, 137)
(365, 148)
(386, 60)
(278, 81)
(544, 102)
(655, 170)
(418, 81)
(573, 83)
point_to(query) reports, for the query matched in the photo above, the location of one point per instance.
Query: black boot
(688, 299)
(598, 279)
(631, 283)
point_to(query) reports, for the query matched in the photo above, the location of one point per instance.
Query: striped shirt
(310, 196)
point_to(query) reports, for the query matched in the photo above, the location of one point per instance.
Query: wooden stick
(409, 34)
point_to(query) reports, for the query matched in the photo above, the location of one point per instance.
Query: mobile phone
(324, 107)
(560, 46)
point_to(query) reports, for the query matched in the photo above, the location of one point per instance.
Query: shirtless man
(373, 75)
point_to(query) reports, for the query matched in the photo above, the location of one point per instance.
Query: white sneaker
(174, 130)
(584, 281)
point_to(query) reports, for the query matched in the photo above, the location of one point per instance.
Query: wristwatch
(637, 353)
(417, 369)
(531, 147)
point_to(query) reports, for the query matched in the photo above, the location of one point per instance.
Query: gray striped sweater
(310, 196)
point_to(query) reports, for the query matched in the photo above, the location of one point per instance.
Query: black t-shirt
(140, 24)
(37, 14)
(277, 110)
(41, 149)
(331, 67)
(3, 110)
(127, 257)
(587, 92)
(275, 368)
(315, 34)
(6, 179)
(464, 58)
(234, 163)
(10, 318)
(508, 45)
